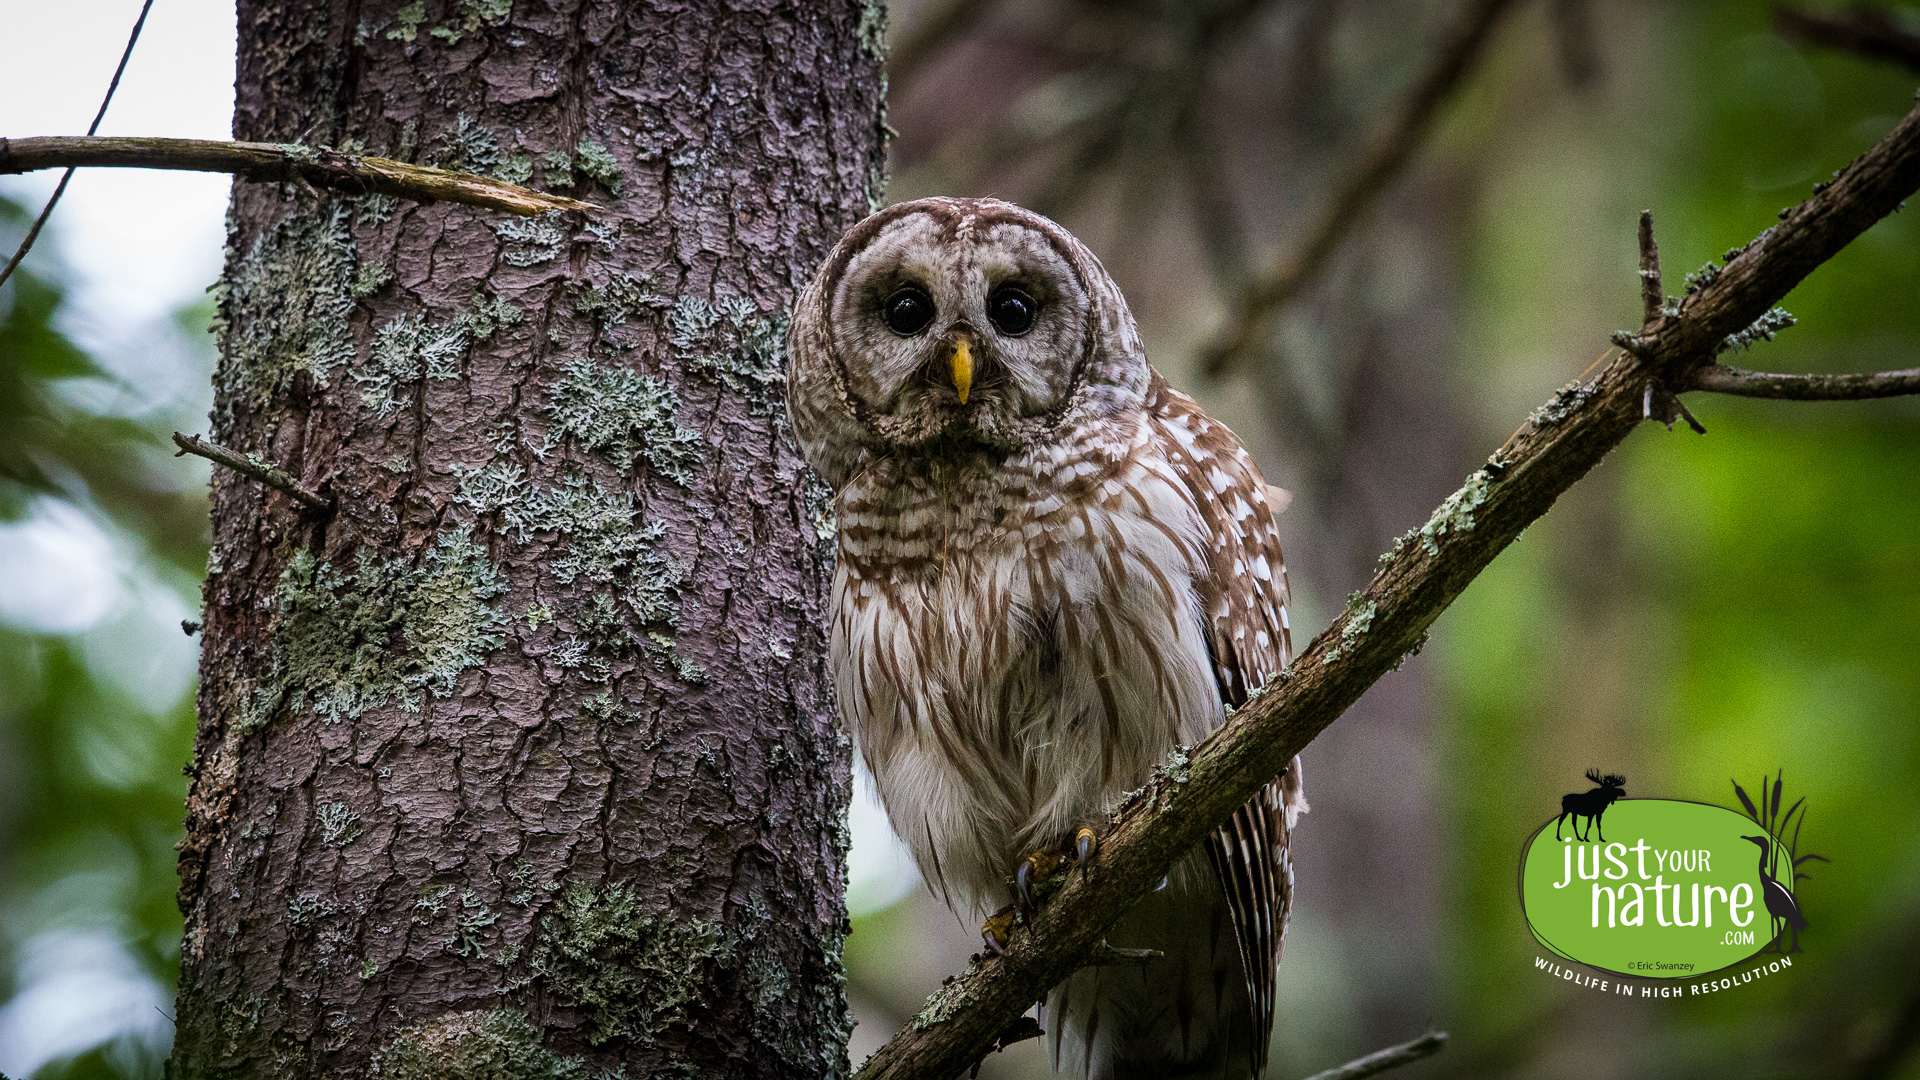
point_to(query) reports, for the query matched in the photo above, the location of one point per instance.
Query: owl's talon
(1033, 870)
(998, 930)
(1083, 844)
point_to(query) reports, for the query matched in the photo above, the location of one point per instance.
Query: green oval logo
(1656, 888)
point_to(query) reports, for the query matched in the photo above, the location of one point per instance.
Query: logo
(1664, 888)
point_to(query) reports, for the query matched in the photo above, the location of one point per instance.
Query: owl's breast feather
(1008, 674)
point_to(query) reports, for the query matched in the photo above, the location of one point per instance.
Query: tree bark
(518, 760)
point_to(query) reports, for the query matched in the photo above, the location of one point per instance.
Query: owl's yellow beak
(962, 360)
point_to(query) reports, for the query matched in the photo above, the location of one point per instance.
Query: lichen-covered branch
(319, 166)
(1861, 30)
(1389, 619)
(1391, 1058)
(248, 465)
(1382, 159)
(1720, 379)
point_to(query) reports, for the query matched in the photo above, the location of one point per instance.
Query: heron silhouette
(1780, 902)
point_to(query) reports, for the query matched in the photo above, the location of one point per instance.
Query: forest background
(1701, 608)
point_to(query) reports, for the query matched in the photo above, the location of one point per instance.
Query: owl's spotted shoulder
(1245, 589)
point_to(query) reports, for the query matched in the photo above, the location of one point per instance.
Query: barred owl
(1053, 568)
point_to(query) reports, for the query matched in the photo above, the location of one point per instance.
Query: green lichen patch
(596, 163)
(338, 824)
(611, 305)
(412, 348)
(941, 1003)
(873, 29)
(369, 278)
(410, 17)
(474, 147)
(479, 1044)
(282, 309)
(735, 344)
(1360, 612)
(384, 631)
(630, 974)
(620, 414)
(531, 241)
(589, 161)
(472, 15)
(1456, 514)
(604, 547)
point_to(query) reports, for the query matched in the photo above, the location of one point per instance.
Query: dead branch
(1862, 30)
(1382, 159)
(317, 165)
(1719, 379)
(1427, 568)
(1391, 1058)
(251, 465)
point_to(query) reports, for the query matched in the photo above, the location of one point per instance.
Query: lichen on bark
(334, 630)
(560, 628)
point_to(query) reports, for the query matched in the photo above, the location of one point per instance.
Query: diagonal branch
(1379, 163)
(317, 165)
(1418, 579)
(1391, 1058)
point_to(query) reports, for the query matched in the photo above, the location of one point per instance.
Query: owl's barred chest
(1016, 646)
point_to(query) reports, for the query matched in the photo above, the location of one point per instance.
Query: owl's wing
(1244, 598)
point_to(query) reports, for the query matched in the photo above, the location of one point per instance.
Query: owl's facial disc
(970, 333)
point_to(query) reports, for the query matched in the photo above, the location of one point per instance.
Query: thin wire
(34, 233)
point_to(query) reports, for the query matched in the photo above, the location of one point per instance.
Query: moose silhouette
(1590, 804)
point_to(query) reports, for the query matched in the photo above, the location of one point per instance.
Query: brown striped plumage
(1043, 587)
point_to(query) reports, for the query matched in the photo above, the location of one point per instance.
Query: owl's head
(967, 320)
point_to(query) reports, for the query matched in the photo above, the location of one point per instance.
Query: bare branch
(1418, 579)
(1652, 296)
(1383, 158)
(250, 465)
(1391, 1058)
(1864, 31)
(317, 165)
(1720, 379)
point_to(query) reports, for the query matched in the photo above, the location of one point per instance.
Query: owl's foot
(1034, 869)
(1084, 843)
(998, 930)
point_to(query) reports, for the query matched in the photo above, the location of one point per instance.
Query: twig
(1385, 155)
(1391, 1058)
(249, 465)
(1652, 295)
(1720, 379)
(1418, 579)
(60, 189)
(317, 165)
(1864, 31)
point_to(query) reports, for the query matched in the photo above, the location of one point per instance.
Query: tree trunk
(520, 760)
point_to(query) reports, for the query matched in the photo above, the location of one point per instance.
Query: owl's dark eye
(908, 311)
(1011, 310)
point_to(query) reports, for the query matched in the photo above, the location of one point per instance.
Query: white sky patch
(879, 870)
(140, 242)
